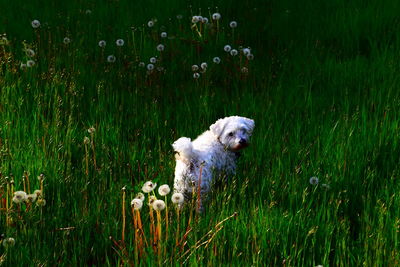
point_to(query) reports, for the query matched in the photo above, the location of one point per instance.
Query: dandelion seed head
(164, 190)
(160, 47)
(158, 205)
(233, 24)
(150, 67)
(86, 140)
(314, 180)
(179, 16)
(153, 60)
(137, 203)
(195, 19)
(35, 23)
(216, 60)
(227, 48)
(246, 51)
(142, 64)
(66, 40)
(30, 63)
(163, 35)
(30, 53)
(23, 66)
(233, 52)
(195, 67)
(19, 197)
(216, 16)
(151, 200)
(196, 75)
(149, 185)
(111, 59)
(244, 70)
(140, 196)
(8, 242)
(120, 42)
(203, 65)
(41, 202)
(92, 129)
(37, 192)
(102, 43)
(150, 23)
(177, 198)
(204, 20)
(250, 56)
(88, 11)
(31, 198)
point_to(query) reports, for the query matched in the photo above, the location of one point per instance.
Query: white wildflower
(204, 20)
(164, 190)
(31, 198)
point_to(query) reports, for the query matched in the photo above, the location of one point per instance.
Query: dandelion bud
(66, 40)
(216, 16)
(160, 47)
(153, 60)
(151, 200)
(163, 35)
(227, 48)
(234, 52)
(158, 205)
(35, 24)
(177, 198)
(233, 24)
(120, 42)
(164, 190)
(216, 60)
(137, 204)
(102, 43)
(111, 59)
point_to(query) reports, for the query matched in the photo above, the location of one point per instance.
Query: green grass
(323, 90)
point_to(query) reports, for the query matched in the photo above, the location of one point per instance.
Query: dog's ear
(218, 127)
(249, 124)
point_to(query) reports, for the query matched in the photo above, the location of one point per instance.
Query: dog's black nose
(242, 141)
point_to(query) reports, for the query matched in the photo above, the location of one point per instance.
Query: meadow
(90, 104)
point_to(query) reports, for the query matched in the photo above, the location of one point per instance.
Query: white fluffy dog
(213, 153)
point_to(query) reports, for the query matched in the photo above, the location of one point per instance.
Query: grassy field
(323, 89)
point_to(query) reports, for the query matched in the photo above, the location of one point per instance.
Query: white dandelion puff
(177, 198)
(314, 180)
(163, 35)
(142, 64)
(227, 48)
(41, 202)
(195, 67)
(19, 197)
(244, 70)
(137, 203)
(35, 24)
(216, 60)
(150, 23)
(86, 140)
(151, 200)
(37, 192)
(195, 19)
(203, 65)
(31, 198)
(66, 40)
(246, 51)
(8, 242)
(149, 185)
(204, 20)
(120, 42)
(164, 190)
(153, 60)
(250, 56)
(111, 59)
(196, 75)
(30, 63)
(216, 16)
(158, 205)
(30, 53)
(23, 66)
(233, 24)
(160, 47)
(88, 11)
(233, 52)
(102, 43)
(140, 196)
(91, 130)
(150, 66)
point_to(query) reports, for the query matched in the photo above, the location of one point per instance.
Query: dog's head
(233, 132)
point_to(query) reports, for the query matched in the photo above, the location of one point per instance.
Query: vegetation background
(323, 89)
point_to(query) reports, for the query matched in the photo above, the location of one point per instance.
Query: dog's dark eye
(230, 134)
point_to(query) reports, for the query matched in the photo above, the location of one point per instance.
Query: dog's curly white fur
(214, 153)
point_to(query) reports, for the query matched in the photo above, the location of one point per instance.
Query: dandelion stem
(123, 216)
